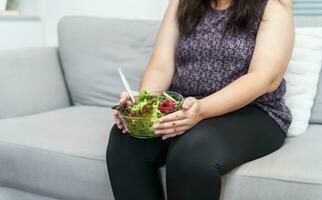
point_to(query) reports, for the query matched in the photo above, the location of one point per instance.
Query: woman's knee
(189, 159)
(188, 176)
(186, 167)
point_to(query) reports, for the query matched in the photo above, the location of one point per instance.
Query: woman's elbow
(274, 84)
(269, 83)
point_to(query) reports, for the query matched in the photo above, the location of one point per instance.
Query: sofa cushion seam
(52, 151)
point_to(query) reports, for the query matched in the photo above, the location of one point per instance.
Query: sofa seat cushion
(77, 130)
(13, 194)
(292, 172)
(60, 154)
(297, 161)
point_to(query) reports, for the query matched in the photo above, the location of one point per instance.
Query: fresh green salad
(147, 109)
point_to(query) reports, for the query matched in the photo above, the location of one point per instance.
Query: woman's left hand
(180, 121)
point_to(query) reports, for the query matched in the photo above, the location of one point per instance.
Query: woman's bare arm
(160, 70)
(274, 45)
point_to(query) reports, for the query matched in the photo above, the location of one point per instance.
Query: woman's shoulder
(277, 7)
(283, 3)
(276, 11)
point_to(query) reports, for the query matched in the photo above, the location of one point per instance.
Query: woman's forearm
(155, 79)
(234, 96)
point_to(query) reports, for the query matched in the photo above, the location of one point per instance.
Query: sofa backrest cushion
(316, 116)
(92, 49)
(31, 81)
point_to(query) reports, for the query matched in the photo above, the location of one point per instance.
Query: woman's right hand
(124, 98)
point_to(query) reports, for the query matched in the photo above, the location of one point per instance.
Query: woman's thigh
(132, 163)
(227, 141)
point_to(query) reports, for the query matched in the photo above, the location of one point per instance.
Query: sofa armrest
(31, 81)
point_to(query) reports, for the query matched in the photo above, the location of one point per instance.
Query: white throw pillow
(302, 77)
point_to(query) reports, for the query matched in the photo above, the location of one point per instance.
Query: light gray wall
(43, 31)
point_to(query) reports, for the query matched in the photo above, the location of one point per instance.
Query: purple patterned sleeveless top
(211, 59)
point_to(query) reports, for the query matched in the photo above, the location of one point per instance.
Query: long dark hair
(241, 14)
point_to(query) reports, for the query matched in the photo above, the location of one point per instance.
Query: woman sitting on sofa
(228, 58)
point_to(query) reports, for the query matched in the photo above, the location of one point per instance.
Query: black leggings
(195, 161)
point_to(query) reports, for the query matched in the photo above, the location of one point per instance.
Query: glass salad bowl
(148, 108)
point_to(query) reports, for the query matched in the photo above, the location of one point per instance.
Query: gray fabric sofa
(52, 149)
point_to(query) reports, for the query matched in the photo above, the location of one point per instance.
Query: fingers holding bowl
(171, 124)
(173, 134)
(125, 97)
(118, 120)
(171, 129)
